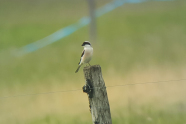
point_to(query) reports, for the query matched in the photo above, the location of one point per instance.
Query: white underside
(87, 55)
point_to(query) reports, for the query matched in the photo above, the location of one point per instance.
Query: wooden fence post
(97, 95)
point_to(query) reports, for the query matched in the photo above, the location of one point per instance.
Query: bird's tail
(78, 69)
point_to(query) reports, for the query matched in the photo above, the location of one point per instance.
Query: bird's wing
(82, 55)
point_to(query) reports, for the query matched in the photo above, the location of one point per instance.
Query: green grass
(26, 21)
(135, 43)
(144, 115)
(141, 37)
(150, 116)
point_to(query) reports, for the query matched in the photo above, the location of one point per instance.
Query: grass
(26, 21)
(146, 115)
(136, 43)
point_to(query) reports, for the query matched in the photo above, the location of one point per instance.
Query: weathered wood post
(97, 95)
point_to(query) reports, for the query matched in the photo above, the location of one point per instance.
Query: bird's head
(86, 43)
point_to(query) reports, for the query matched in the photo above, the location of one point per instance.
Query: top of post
(92, 68)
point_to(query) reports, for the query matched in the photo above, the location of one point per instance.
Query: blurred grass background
(136, 43)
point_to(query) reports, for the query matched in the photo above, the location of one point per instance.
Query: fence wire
(75, 90)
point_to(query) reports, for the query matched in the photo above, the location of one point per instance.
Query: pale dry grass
(159, 95)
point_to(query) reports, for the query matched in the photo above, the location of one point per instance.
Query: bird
(86, 55)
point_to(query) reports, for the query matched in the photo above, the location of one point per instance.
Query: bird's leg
(89, 64)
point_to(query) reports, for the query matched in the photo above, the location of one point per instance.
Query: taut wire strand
(121, 85)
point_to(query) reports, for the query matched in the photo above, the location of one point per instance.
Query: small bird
(86, 55)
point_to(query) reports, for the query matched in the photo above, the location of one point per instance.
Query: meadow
(136, 43)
